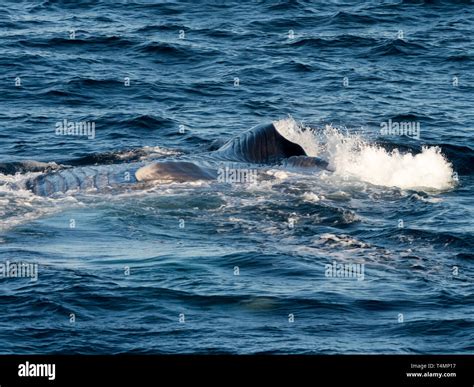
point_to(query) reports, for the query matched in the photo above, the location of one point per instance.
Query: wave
(441, 238)
(459, 58)
(288, 5)
(102, 42)
(78, 82)
(175, 50)
(345, 18)
(397, 47)
(146, 121)
(434, 2)
(335, 41)
(352, 157)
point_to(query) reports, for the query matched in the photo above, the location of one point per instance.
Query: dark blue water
(154, 271)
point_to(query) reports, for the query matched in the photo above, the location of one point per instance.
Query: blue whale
(262, 146)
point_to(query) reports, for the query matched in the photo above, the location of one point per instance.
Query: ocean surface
(240, 268)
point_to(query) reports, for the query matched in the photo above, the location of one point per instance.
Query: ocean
(373, 255)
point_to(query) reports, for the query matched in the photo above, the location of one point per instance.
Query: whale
(260, 147)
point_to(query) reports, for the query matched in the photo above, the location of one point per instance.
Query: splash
(298, 134)
(352, 157)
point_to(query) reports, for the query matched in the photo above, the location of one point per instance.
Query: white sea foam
(311, 197)
(353, 157)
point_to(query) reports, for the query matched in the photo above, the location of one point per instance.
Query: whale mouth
(262, 144)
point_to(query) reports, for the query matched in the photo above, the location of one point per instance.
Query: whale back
(262, 144)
